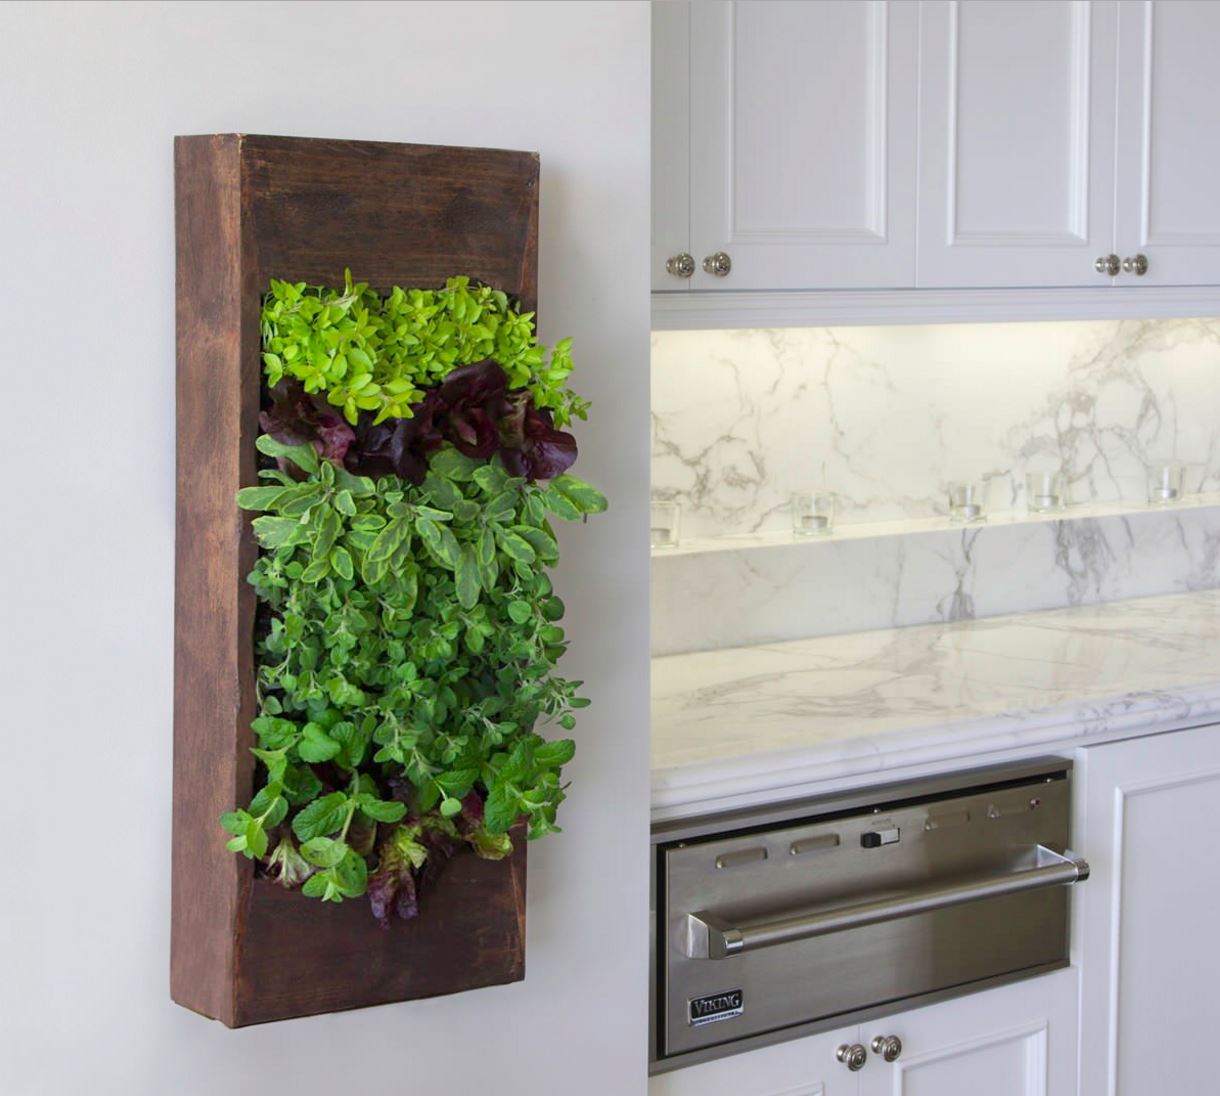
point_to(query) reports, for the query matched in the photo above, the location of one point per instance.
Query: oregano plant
(408, 631)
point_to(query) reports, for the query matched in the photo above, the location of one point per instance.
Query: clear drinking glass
(813, 513)
(966, 502)
(1164, 483)
(665, 523)
(1044, 492)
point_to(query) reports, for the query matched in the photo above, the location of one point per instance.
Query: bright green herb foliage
(372, 353)
(413, 634)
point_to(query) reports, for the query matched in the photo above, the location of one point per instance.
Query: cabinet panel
(1150, 957)
(1017, 141)
(803, 1067)
(803, 142)
(670, 140)
(1019, 1040)
(1169, 139)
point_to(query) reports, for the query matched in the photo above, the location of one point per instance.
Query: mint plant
(408, 631)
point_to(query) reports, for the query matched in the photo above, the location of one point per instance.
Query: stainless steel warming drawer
(778, 922)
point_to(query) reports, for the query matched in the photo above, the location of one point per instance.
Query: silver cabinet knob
(719, 264)
(888, 1046)
(1108, 264)
(852, 1055)
(680, 266)
(1136, 264)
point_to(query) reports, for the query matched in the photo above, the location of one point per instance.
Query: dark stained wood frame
(248, 209)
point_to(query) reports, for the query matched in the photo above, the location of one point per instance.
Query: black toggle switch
(874, 839)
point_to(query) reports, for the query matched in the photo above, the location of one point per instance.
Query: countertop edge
(692, 790)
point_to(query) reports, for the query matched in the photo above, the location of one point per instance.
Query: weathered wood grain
(249, 209)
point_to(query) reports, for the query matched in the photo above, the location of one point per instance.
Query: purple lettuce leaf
(295, 416)
(530, 444)
(472, 409)
(391, 887)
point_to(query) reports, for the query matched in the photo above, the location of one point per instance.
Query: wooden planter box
(249, 209)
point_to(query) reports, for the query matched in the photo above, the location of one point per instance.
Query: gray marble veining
(886, 417)
(750, 719)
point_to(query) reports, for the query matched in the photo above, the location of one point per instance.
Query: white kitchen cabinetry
(1169, 140)
(1016, 160)
(670, 143)
(968, 146)
(1015, 1040)
(802, 1067)
(802, 143)
(1018, 1040)
(1145, 922)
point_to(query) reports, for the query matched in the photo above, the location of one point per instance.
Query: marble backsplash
(886, 416)
(792, 591)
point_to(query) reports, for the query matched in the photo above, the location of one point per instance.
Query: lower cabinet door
(1145, 932)
(1017, 1040)
(802, 1067)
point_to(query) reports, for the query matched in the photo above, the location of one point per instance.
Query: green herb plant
(375, 354)
(408, 634)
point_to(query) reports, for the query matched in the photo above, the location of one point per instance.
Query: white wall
(90, 97)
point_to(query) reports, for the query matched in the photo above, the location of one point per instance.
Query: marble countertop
(770, 721)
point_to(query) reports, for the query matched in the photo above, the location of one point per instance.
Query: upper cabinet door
(1016, 178)
(670, 146)
(802, 144)
(1169, 140)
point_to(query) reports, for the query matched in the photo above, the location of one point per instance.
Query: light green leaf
(551, 755)
(316, 745)
(561, 505)
(341, 561)
(440, 542)
(587, 498)
(451, 464)
(322, 816)
(515, 547)
(304, 456)
(274, 533)
(259, 498)
(329, 526)
(396, 533)
(467, 578)
(324, 852)
(381, 810)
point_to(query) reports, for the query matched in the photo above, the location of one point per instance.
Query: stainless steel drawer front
(804, 921)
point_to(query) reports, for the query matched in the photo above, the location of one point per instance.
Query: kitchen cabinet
(1017, 129)
(964, 145)
(671, 145)
(801, 1067)
(1014, 1040)
(1018, 1040)
(802, 142)
(1169, 140)
(1144, 926)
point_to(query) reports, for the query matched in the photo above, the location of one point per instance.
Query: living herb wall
(407, 635)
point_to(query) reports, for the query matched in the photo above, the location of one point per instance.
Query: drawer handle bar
(709, 936)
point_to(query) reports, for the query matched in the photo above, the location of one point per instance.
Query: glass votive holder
(966, 502)
(1164, 483)
(813, 513)
(1044, 492)
(664, 524)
